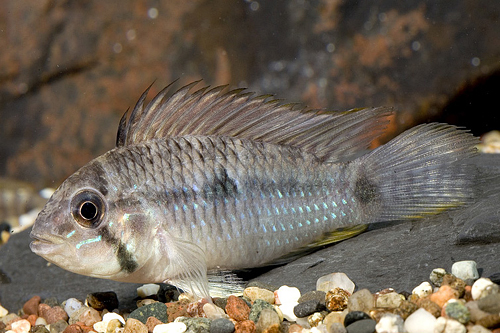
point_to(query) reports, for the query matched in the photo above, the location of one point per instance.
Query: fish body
(213, 181)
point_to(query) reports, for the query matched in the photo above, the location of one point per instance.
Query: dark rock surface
(394, 255)
(69, 69)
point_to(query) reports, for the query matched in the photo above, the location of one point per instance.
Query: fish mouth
(45, 245)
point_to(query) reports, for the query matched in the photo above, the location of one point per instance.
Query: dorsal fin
(330, 135)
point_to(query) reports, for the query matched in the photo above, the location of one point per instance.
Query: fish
(206, 180)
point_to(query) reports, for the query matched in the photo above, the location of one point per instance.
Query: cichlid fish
(213, 180)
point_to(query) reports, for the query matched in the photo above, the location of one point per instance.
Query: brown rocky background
(69, 69)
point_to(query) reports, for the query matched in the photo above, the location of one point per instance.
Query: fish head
(88, 227)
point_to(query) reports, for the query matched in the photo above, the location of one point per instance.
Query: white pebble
(40, 321)
(465, 270)
(335, 280)
(111, 315)
(448, 325)
(390, 323)
(422, 290)
(3, 311)
(286, 294)
(100, 326)
(420, 321)
(175, 327)
(212, 311)
(478, 329)
(148, 290)
(21, 326)
(483, 287)
(436, 276)
(287, 310)
(72, 305)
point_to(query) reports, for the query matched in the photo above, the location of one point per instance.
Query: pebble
(482, 288)
(307, 308)
(458, 311)
(443, 295)
(475, 312)
(31, 306)
(447, 325)
(195, 325)
(254, 293)
(237, 308)
(320, 296)
(465, 270)
(316, 319)
(74, 328)
(490, 303)
(52, 314)
(39, 329)
(422, 290)
(72, 305)
(21, 326)
(436, 276)
(113, 324)
(362, 326)
(458, 285)
(58, 327)
(268, 321)
(4, 311)
(103, 300)
(212, 311)
(390, 323)
(262, 285)
(337, 328)
(286, 294)
(354, 316)
(88, 316)
(147, 290)
(478, 329)
(257, 308)
(287, 310)
(389, 300)
(40, 321)
(335, 280)
(107, 317)
(490, 321)
(246, 326)
(420, 321)
(361, 300)
(176, 327)
(334, 317)
(135, 326)
(8, 318)
(157, 310)
(152, 322)
(221, 325)
(336, 299)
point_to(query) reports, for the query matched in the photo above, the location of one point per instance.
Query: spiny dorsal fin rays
(331, 135)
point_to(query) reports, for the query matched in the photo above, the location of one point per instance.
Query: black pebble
(168, 293)
(221, 325)
(495, 278)
(308, 308)
(103, 300)
(353, 316)
(220, 302)
(4, 226)
(157, 310)
(362, 326)
(320, 296)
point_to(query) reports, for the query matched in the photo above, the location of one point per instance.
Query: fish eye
(87, 208)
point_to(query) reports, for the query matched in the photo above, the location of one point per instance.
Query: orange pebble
(443, 295)
(32, 319)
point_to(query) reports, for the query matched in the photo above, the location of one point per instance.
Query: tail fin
(424, 171)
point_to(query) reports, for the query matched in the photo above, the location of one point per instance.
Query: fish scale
(214, 180)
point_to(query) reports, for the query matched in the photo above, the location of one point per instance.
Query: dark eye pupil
(88, 210)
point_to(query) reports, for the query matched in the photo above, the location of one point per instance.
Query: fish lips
(45, 245)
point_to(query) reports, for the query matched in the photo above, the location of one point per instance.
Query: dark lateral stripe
(125, 258)
(221, 187)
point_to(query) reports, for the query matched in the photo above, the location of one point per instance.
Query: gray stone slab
(397, 255)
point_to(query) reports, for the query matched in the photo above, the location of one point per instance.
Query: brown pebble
(151, 322)
(443, 295)
(430, 306)
(31, 306)
(85, 328)
(406, 308)
(74, 328)
(275, 328)
(468, 294)
(89, 317)
(53, 314)
(237, 308)
(195, 309)
(455, 283)
(177, 309)
(490, 321)
(295, 328)
(32, 319)
(496, 330)
(336, 299)
(246, 326)
(134, 326)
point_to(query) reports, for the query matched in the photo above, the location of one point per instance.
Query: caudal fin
(424, 171)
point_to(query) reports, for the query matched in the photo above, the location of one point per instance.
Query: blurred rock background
(70, 68)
